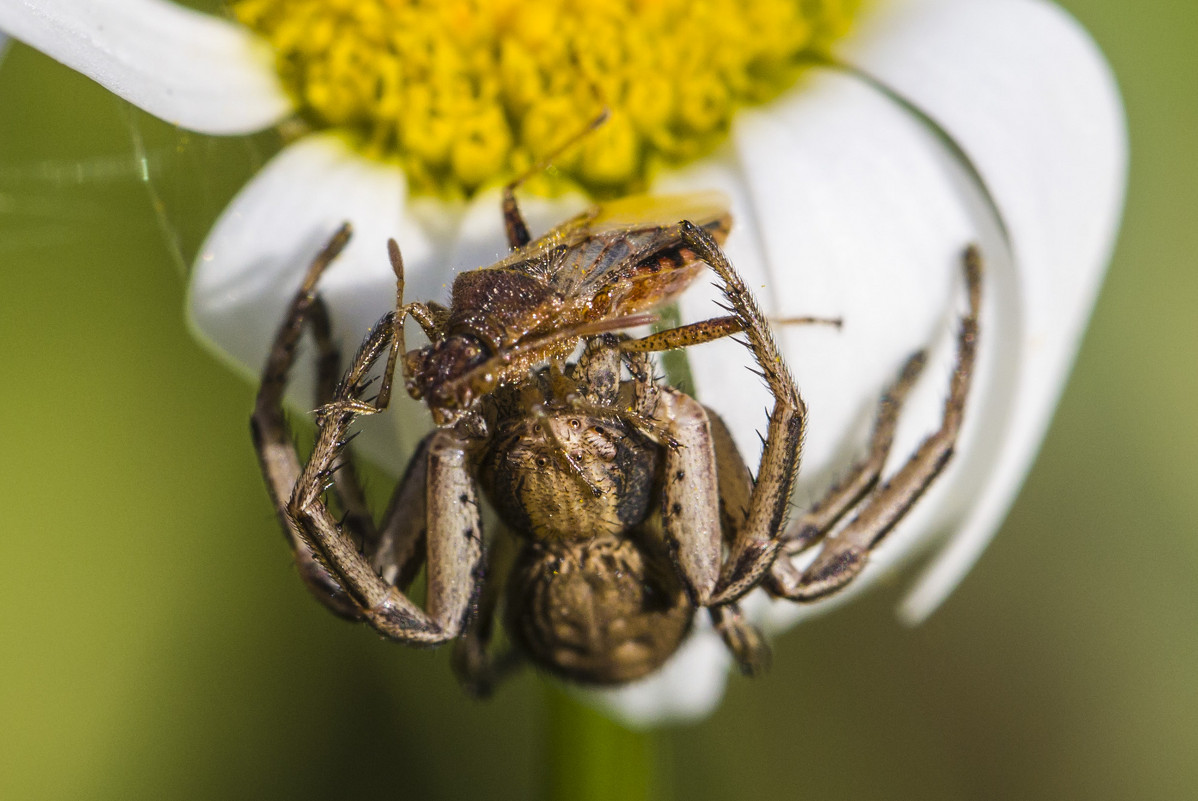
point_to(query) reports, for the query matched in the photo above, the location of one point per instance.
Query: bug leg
(844, 555)
(513, 221)
(684, 336)
(596, 372)
(454, 541)
(597, 386)
(757, 542)
(273, 442)
(646, 393)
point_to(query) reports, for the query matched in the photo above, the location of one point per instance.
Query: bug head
(445, 375)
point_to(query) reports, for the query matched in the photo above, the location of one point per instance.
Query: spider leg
(814, 524)
(478, 669)
(745, 642)
(396, 547)
(706, 464)
(690, 514)
(393, 546)
(757, 542)
(844, 555)
(399, 551)
(346, 484)
(454, 542)
(749, 648)
(273, 442)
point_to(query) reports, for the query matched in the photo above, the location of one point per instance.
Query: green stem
(591, 758)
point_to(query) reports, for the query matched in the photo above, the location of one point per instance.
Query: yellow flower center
(469, 92)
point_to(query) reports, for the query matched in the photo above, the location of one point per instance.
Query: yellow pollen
(467, 93)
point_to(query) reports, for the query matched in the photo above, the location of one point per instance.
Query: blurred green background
(155, 643)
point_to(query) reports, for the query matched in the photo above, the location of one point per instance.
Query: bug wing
(625, 257)
(634, 260)
(626, 216)
(605, 268)
(643, 212)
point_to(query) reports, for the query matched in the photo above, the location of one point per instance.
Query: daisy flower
(861, 147)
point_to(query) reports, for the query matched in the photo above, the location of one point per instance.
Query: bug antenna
(545, 163)
(396, 257)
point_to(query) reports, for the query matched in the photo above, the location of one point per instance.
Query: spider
(624, 504)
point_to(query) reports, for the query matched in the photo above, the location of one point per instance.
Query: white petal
(863, 215)
(190, 69)
(858, 209)
(1021, 88)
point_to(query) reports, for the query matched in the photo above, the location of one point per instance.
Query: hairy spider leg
(746, 642)
(757, 541)
(862, 477)
(396, 544)
(329, 558)
(393, 546)
(454, 539)
(277, 456)
(880, 509)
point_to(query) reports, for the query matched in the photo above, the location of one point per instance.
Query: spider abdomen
(599, 611)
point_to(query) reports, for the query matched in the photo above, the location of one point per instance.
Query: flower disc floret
(467, 92)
